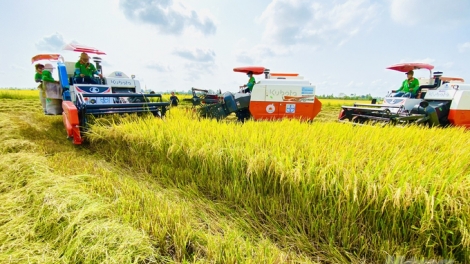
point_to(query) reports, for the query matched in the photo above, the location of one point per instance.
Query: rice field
(190, 190)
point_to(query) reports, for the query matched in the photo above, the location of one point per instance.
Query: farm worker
(250, 84)
(38, 78)
(84, 70)
(409, 87)
(174, 99)
(47, 74)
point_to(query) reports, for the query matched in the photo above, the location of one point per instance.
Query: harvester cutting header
(278, 96)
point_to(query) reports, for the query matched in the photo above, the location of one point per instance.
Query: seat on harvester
(422, 90)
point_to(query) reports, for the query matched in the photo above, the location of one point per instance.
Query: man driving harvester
(84, 70)
(409, 87)
(250, 84)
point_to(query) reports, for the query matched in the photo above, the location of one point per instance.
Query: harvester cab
(440, 101)
(115, 94)
(277, 96)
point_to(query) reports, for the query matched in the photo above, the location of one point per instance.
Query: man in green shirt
(84, 70)
(47, 74)
(38, 76)
(250, 84)
(409, 87)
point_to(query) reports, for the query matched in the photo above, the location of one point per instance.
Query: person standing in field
(409, 87)
(174, 99)
(47, 74)
(250, 84)
(38, 78)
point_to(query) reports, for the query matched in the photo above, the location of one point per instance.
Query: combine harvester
(114, 94)
(441, 101)
(278, 96)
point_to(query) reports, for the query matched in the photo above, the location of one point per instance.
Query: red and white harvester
(277, 96)
(441, 101)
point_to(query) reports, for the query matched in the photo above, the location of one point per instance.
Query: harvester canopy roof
(83, 48)
(51, 57)
(255, 69)
(406, 67)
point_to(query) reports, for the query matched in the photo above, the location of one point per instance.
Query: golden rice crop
(261, 192)
(19, 94)
(350, 193)
(62, 204)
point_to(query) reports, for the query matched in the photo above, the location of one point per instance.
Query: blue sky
(340, 46)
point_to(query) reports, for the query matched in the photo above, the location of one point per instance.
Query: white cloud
(439, 12)
(196, 54)
(464, 47)
(195, 70)
(168, 16)
(255, 54)
(291, 22)
(158, 67)
(52, 43)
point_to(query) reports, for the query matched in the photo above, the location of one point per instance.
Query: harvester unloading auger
(278, 96)
(441, 101)
(114, 94)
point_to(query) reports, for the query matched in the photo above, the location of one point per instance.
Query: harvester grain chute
(278, 96)
(440, 101)
(114, 94)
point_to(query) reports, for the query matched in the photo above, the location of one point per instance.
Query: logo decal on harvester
(270, 109)
(94, 90)
(307, 90)
(290, 108)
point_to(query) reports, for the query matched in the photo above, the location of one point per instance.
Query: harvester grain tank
(441, 101)
(278, 96)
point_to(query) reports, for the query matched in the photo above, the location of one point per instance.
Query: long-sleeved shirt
(409, 86)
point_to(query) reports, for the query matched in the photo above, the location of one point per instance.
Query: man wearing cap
(47, 74)
(38, 78)
(84, 70)
(250, 84)
(409, 87)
